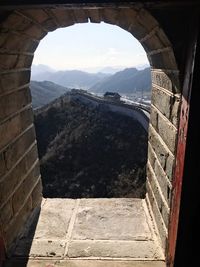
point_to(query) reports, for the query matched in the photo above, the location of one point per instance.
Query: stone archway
(20, 34)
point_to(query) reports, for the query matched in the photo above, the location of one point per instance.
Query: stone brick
(110, 15)
(152, 43)
(49, 24)
(25, 189)
(167, 104)
(2, 164)
(19, 42)
(157, 190)
(18, 148)
(6, 214)
(164, 60)
(157, 216)
(126, 18)
(8, 61)
(169, 168)
(16, 225)
(37, 15)
(46, 20)
(167, 80)
(37, 195)
(163, 181)
(15, 177)
(156, 39)
(94, 15)
(151, 156)
(16, 22)
(11, 81)
(80, 15)
(18, 124)
(64, 17)
(146, 20)
(13, 102)
(3, 38)
(165, 129)
(164, 156)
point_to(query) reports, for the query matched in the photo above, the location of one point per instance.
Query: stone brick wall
(20, 184)
(163, 130)
(20, 34)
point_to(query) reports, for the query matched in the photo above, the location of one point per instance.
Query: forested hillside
(90, 152)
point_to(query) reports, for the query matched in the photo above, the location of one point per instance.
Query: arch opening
(97, 156)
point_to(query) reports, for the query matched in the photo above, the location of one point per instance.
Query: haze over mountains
(125, 82)
(68, 78)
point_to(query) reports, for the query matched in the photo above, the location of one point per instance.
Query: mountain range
(70, 78)
(54, 84)
(126, 81)
(44, 92)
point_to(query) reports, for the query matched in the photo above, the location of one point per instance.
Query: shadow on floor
(23, 244)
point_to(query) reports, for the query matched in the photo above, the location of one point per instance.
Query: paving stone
(41, 248)
(111, 219)
(54, 218)
(85, 263)
(80, 233)
(111, 249)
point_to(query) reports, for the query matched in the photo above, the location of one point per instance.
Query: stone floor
(90, 233)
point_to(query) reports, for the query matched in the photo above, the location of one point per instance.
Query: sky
(89, 46)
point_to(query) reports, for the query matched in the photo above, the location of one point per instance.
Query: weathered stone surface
(11, 103)
(18, 124)
(9, 184)
(165, 129)
(152, 43)
(157, 190)
(8, 62)
(110, 15)
(51, 233)
(54, 219)
(111, 219)
(16, 22)
(167, 104)
(41, 248)
(164, 60)
(36, 195)
(25, 188)
(37, 15)
(156, 39)
(157, 216)
(161, 176)
(164, 155)
(146, 20)
(16, 225)
(85, 263)
(164, 182)
(63, 16)
(18, 148)
(80, 16)
(167, 80)
(2, 165)
(6, 214)
(20, 42)
(11, 81)
(151, 156)
(94, 15)
(114, 249)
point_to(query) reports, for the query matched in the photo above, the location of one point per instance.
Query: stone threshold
(89, 232)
